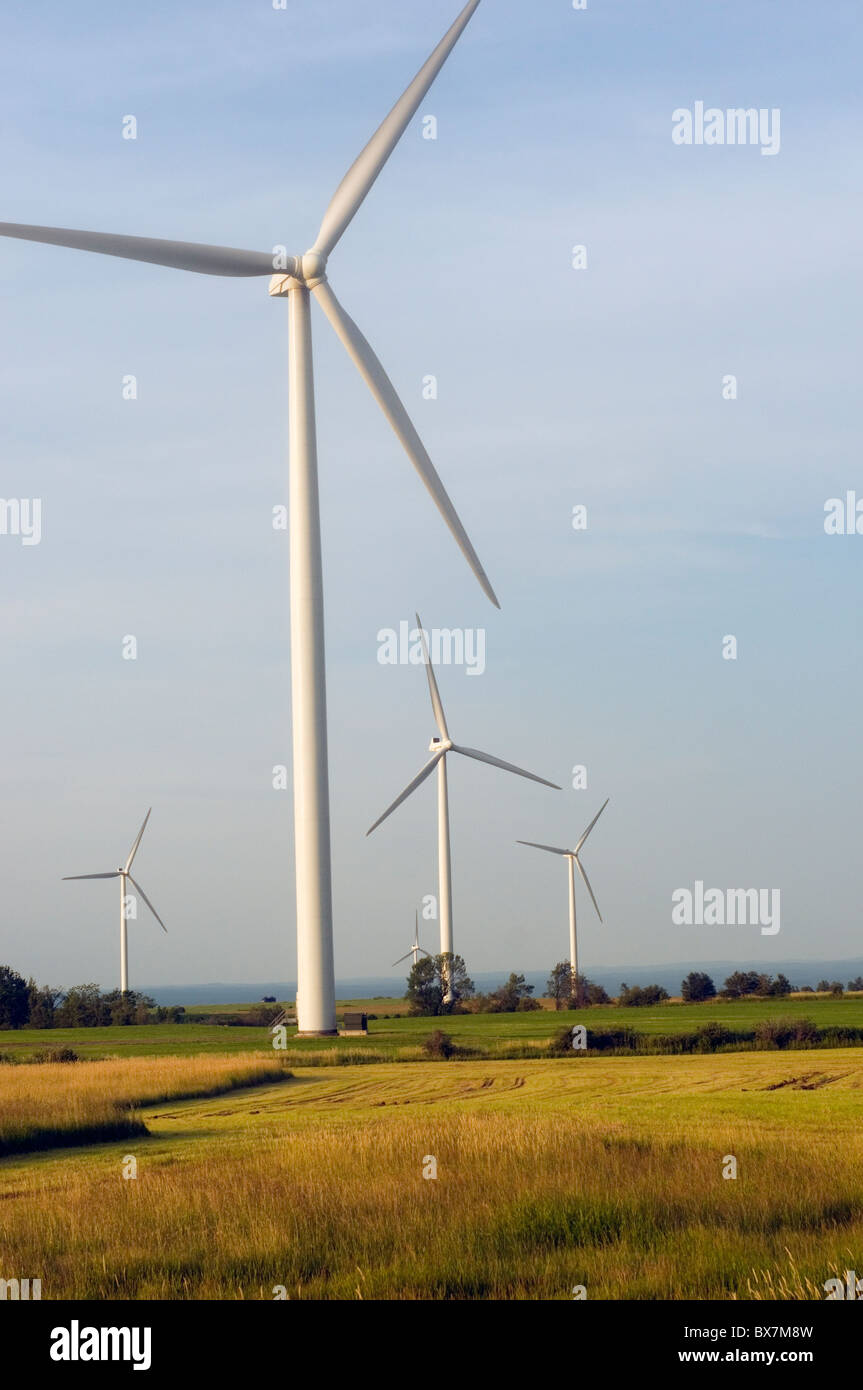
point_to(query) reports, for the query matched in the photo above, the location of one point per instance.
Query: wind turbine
(574, 861)
(439, 747)
(416, 950)
(299, 278)
(124, 874)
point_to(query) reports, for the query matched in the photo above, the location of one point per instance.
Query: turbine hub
(440, 745)
(307, 271)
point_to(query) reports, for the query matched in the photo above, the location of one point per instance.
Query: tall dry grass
(524, 1206)
(55, 1104)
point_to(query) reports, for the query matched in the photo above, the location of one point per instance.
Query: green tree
(639, 996)
(513, 996)
(83, 1007)
(427, 984)
(780, 986)
(14, 998)
(740, 983)
(42, 1004)
(559, 985)
(696, 987)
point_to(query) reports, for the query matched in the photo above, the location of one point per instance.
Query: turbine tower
(416, 950)
(124, 874)
(574, 861)
(439, 747)
(298, 279)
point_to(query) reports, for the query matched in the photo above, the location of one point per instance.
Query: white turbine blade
(550, 848)
(67, 878)
(140, 890)
(587, 885)
(507, 767)
(179, 255)
(437, 703)
(354, 187)
(384, 393)
(592, 824)
(400, 959)
(411, 787)
(134, 849)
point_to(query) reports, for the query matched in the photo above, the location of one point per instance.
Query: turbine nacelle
(440, 745)
(307, 271)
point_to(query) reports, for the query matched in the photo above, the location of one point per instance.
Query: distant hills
(799, 972)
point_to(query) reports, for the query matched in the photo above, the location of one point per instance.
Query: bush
(439, 1045)
(57, 1054)
(598, 1040)
(785, 1032)
(635, 996)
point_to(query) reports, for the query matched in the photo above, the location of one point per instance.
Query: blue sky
(556, 387)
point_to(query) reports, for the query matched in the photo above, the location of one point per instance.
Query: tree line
(24, 1004)
(427, 989)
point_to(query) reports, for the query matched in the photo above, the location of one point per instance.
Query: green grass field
(601, 1172)
(392, 1037)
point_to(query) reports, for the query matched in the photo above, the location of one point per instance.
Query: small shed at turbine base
(355, 1026)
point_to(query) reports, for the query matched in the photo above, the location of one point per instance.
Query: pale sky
(556, 387)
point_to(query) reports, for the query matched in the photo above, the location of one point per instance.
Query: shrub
(439, 1045)
(57, 1054)
(636, 996)
(785, 1032)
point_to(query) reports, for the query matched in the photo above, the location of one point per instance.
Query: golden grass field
(52, 1103)
(553, 1173)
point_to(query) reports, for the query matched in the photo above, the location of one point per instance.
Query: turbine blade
(437, 703)
(134, 849)
(400, 959)
(507, 767)
(550, 848)
(140, 890)
(382, 389)
(592, 824)
(411, 787)
(67, 878)
(358, 181)
(179, 255)
(587, 885)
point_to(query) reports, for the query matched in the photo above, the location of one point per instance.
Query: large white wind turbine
(124, 874)
(574, 861)
(300, 277)
(439, 747)
(416, 950)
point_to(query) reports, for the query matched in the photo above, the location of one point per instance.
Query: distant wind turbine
(416, 950)
(572, 856)
(124, 874)
(299, 278)
(439, 748)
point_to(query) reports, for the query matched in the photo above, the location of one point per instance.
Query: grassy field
(57, 1104)
(401, 1037)
(602, 1172)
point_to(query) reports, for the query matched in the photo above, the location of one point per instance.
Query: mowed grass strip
(549, 1175)
(52, 1105)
